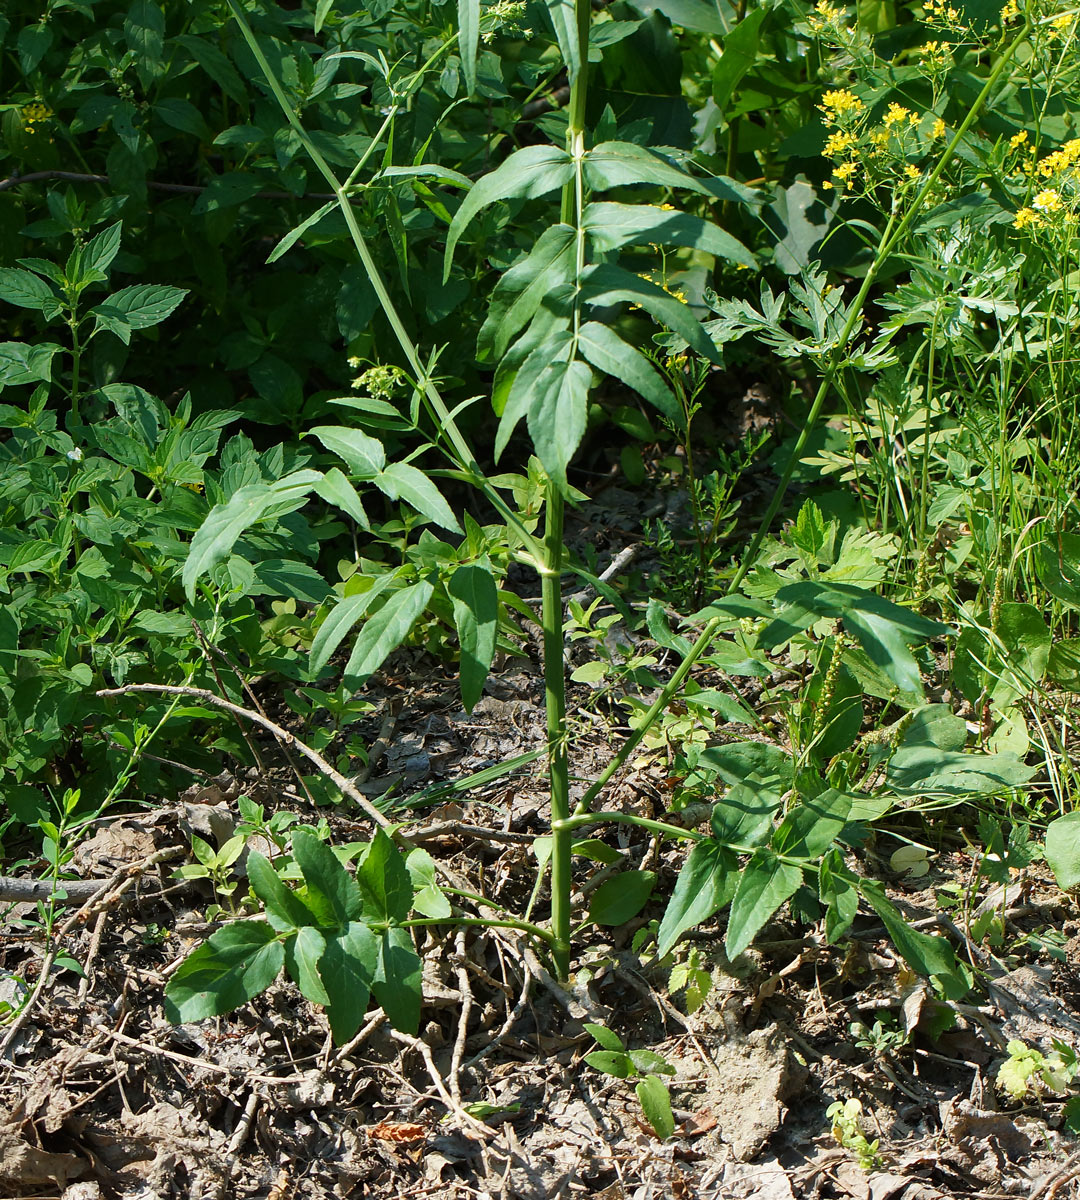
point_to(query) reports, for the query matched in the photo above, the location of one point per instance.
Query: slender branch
(345, 786)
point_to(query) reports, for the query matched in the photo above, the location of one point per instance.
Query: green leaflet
(557, 410)
(231, 967)
(398, 979)
(740, 54)
(882, 628)
(656, 1105)
(931, 956)
(302, 954)
(285, 910)
(605, 284)
(765, 884)
(705, 884)
(295, 234)
(611, 226)
(332, 894)
(342, 618)
(384, 882)
(468, 40)
(1063, 850)
(619, 164)
(347, 968)
(475, 598)
(526, 174)
(385, 631)
(24, 289)
(561, 13)
(522, 289)
(603, 347)
(363, 455)
(622, 898)
(400, 481)
(335, 488)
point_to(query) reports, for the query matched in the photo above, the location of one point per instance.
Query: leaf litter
(105, 1098)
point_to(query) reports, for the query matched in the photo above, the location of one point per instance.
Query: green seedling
(847, 1130)
(646, 1066)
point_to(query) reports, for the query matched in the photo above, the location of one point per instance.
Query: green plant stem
(586, 820)
(555, 704)
(76, 363)
(894, 232)
(525, 926)
(444, 418)
(572, 208)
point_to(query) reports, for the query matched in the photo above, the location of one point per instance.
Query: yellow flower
(1026, 217)
(1018, 139)
(840, 103)
(1048, 201)
(1010, 12)
(1060, 26)
(878, 138)
(897, 115)
(845, 171)
(837, 143)
(938, 129)
(912, 172)
(34, 114)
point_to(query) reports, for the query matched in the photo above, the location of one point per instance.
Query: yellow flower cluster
(838, 143)
(1061, 160)
(1061, 27)
(824, 15)
(941, 12)
(35, 114)
(1010, 12)
(898, 115)
(840, 104)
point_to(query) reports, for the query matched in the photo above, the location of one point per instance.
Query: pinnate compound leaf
(475, 597)
(525, 175)
(363, 455)
(521, 290)
(605, 284)
(1063, 850)
(302, 953)
(384, 881)
(24, 289)
(611, 226)
(331, 893)
(621, 899)
(285, 910)
(398, 980)
(929, 956)
(400, 481)
(342, 618)
(347, 968)
(603, 347)
(656, 1105)
(705, 884)
(385, 631)
(765, 884)
(230, 968)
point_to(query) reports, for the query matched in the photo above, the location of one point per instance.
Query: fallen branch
(287, 739)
